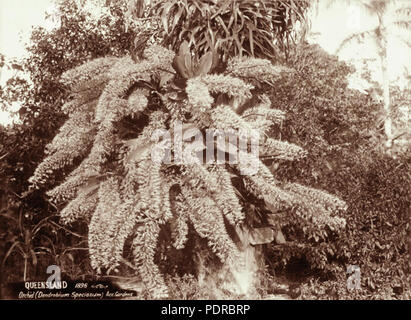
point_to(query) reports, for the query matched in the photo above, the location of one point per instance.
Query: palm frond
(403, 11)
(368, 6)
(360, 36)
(402, 24)
(406, 41)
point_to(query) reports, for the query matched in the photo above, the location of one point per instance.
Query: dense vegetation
(338, 127)
(78, 38)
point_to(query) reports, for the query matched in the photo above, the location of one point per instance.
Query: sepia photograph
(223, 151)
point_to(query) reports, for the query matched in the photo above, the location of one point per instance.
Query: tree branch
(358, 36)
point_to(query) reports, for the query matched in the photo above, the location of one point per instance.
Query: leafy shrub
(78, 38)
(259, 28)
(124, 194)
(339, 129)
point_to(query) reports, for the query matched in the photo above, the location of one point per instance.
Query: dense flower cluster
(233, 87)
(262, 116)
(254, 70)
(123, 193)
(198, 95)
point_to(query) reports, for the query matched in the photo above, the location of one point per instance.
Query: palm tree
(391, 14)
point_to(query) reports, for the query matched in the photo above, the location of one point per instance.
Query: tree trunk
(246, 273)
(239, 278)
(382, 44)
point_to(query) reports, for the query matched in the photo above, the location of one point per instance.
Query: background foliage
(339, 127)
(38, 90)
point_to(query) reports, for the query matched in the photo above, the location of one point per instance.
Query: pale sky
(334, 24)
(16, 20)
(18, 17)
(340, 21)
